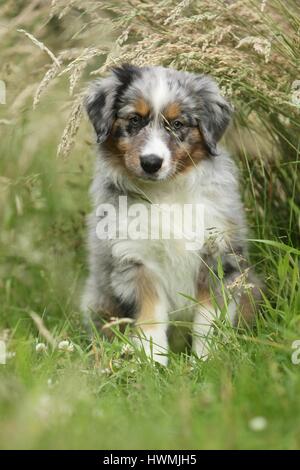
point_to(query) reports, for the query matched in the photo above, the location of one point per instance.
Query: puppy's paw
(153, 341)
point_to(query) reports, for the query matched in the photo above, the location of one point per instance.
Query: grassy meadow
(96, 394)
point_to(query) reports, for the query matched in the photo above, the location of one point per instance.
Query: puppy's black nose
(151, 163)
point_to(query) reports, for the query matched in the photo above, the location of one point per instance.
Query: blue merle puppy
(157, 132)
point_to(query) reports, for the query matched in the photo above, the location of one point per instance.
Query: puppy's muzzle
(151, 163)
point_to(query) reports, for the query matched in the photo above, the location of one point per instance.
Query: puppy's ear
(105, 96)
(214, 112)
(99, 104)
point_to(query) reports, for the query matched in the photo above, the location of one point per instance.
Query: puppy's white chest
(170, 234)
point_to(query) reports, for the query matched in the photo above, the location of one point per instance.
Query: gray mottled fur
(111, 285)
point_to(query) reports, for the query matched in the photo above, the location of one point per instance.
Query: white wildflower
(66, 345)
(41, 347)
(105, 371)
(258, 423)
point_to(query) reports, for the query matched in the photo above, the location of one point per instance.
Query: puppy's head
(156, 122)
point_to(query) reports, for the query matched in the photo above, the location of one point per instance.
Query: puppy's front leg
(207, 312)
(137, 288)
(152, 327)
(243, 297)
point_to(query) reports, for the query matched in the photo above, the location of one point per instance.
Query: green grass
(94, 397)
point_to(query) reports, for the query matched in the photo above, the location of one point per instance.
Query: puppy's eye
(135, 120)
(177, 125)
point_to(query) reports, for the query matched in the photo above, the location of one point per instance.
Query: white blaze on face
(160, 95)
(156, 146)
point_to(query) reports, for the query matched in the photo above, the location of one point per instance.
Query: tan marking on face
(141, 107)
(124, 145)
(188, 153)
(116, 148)
(131, 148)
(172, 111)
(123, 154)
(125, 151)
